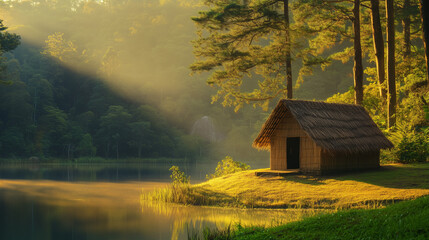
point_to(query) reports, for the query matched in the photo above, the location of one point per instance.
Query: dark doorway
(292, 152)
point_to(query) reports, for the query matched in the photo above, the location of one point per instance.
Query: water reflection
(113, 172)
(193, 219)
(109, 172)
(74, 202)
(47, 210)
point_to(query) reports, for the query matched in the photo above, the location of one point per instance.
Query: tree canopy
(246, 45)
(8, 42)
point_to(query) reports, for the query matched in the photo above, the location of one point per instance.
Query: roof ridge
(344, 119)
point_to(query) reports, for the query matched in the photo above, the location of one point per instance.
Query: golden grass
(372, 189)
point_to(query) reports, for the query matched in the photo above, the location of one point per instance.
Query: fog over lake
(102, 201)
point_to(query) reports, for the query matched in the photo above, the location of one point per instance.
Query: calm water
(102, 201)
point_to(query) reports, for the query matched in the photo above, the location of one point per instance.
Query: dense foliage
(8, 42)
(125, 93)
(178, 177)
(51, 111)
(122, 88)
(411, 145)
(244, 45)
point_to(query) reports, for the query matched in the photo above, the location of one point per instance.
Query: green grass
(405, 220)
(373, 189)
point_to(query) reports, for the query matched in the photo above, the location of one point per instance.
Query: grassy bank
(390, 184)
(406, 220)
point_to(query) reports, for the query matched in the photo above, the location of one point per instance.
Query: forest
(128, 79)
(124, 94)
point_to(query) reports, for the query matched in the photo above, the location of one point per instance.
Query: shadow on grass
(293, 176)
(304, 179)
(402, 176)
(406, 176)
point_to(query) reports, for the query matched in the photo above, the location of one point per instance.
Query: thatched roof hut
(321, 137)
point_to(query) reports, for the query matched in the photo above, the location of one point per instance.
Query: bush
(410, 145)
(228, 166)
(414, 148)
(180, 186)
(178, 177)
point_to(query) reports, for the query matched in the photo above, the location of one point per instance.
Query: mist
(141, 50)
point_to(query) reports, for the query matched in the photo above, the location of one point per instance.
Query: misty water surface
(102, 201)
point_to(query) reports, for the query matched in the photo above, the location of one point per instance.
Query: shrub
(180, 190)
(178, 177)
(414, 148)
(410, 145)
(228, 166)
(180, 185)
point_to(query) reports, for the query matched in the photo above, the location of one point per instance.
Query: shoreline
(365, 190)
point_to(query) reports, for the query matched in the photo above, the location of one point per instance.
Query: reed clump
(179, 191)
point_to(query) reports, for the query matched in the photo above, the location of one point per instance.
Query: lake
(102, 201)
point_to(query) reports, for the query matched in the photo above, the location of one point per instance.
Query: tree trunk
(391, 90)
(35, 107)
(108, 149)
(288, 54)
(68, 151)
(357, 68)
(377, 37)
(406, 23)
(425, 26)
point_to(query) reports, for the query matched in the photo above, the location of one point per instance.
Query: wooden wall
(309, 151)
(313, 159)
(335, 162)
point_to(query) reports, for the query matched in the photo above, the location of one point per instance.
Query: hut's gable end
(288, 127)
(263, 140)
(309, 151)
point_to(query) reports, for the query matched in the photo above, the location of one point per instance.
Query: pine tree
(424, 13)
(357, 68)
(391, 89)
(406, 26)
(247, 47)
(327, 22)
(377, 36)
(8, 42)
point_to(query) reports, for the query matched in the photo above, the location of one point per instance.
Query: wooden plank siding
(335, 162)
(309, 152)
(314, 159)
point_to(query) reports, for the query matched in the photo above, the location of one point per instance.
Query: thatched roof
(332, 126)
